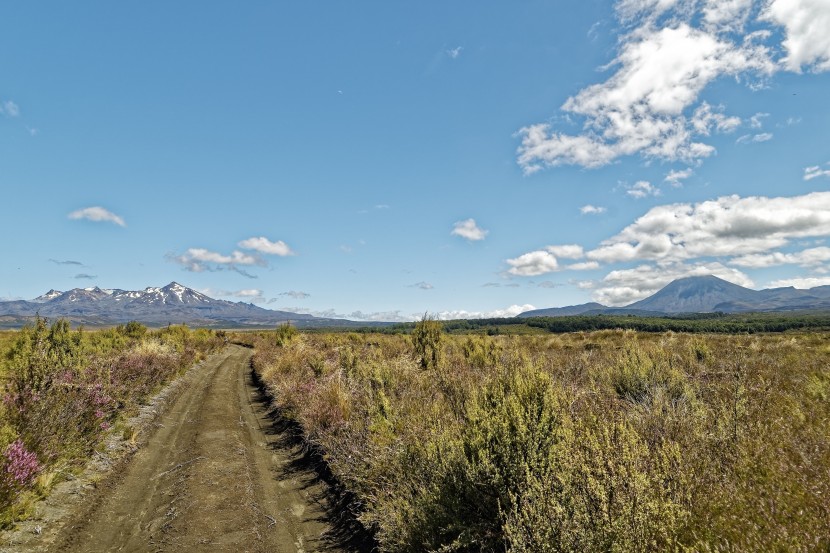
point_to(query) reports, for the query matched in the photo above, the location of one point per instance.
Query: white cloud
(567, 251)
(756, 121)
(669, 52)
(712, 237)
(761, 137)
(469, 229)
(641, 189)
(296, 294)
(807, 41)
(198, 260)
(805, 258)
(803, 283)
(726, 226)
(815, 172)
(507, 312)
(625, 286)
(675, 178)
(253, 295)
(640, 109)
(97, 214)
(585, 266)
(533, 263)
(455, 52)
(263, 245)
(9, 109)
(592, 210)
(422, 285)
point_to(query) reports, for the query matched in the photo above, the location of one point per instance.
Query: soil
(218, 473)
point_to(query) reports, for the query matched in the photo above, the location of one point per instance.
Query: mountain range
(172, 304)
(177, 304)
(705, 294)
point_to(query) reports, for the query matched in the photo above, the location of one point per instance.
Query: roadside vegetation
(64, 389)
(589, 441)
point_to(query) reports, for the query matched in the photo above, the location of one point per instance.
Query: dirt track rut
(213, 477)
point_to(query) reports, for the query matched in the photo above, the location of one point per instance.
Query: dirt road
(215, 476)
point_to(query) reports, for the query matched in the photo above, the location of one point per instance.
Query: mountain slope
(705, 294)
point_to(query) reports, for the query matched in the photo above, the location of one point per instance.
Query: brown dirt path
(212, 478)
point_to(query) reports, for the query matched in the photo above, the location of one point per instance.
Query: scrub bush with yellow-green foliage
(63, 390)
(603, 441)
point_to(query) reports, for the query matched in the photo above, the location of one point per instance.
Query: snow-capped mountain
(171, 304)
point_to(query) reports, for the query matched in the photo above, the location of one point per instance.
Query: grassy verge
(601, 441)
(64, 389)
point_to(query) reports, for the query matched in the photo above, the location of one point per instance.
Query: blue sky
(382, 159)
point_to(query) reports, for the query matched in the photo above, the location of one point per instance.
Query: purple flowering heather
(21, 465)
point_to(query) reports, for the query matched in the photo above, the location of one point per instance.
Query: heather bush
(602, 441)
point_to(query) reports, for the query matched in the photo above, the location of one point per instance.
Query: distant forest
(723, 323)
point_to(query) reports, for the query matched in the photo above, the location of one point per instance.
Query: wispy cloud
(642, 189)
(750, 138)
(84, 276)
(265, 246)
(455, 52)
(422, 285)
(97, 214)
(675, 178)
(469, 229)
(66, 262)
(815, 172)
(9, 109)
(297, 295)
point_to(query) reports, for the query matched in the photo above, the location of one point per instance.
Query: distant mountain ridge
(704, 294)
(171, 304)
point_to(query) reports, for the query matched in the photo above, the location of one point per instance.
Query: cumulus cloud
(533, 263)
(592, 210)
(567, 251)
(806, 258)
(815, 172)
(544, 261)
(669, 52)
(713, 237)
(807, 41)
(265, 246)
(726, 226)
(642, 189)
(198, 260)
(647, 106)
(97, 214)
(469, 229)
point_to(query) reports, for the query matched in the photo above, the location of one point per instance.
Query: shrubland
(64, 389)
(590, 441)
